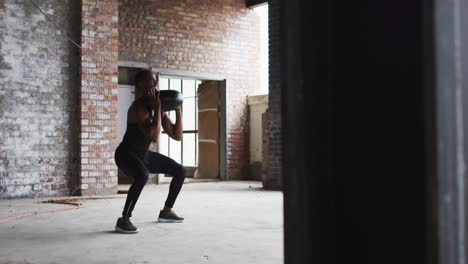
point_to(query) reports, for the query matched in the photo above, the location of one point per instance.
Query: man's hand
(155, 102)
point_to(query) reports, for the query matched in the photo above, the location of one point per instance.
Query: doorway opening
(199, 149)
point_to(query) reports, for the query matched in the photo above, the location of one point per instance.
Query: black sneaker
(169, 217)
(125, 226)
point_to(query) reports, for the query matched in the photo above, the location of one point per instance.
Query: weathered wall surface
(39, 91)
(99, 58)
(275, 143)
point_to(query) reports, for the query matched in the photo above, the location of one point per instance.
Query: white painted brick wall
(39, 89)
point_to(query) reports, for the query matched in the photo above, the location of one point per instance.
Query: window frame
(172, 116)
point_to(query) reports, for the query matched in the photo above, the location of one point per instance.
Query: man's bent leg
(133, 167)
(175, 186)
(158, 163)
(133, 194)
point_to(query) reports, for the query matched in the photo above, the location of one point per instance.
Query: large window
(184, 151)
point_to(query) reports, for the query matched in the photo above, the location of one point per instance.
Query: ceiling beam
(254, 3)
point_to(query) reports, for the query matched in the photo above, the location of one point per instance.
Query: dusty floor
(226, 222)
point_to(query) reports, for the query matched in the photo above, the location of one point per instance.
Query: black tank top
(136, 140)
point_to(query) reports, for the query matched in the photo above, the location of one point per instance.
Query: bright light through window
(185, 151)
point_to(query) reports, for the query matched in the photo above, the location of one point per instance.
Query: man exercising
(133, 157)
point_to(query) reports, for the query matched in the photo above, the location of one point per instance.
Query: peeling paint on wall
(39, 89)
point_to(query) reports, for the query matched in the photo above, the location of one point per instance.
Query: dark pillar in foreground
(354, 131)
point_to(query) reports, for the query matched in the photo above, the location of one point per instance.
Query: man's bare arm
(175, 131)
(154, 126)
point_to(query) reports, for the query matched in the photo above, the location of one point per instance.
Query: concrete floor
(225, 222)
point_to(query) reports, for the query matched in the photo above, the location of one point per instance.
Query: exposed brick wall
(39, 90)
(217, 37)
(265, 151)
(238, 154)
(274, 103)
(99, 96)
